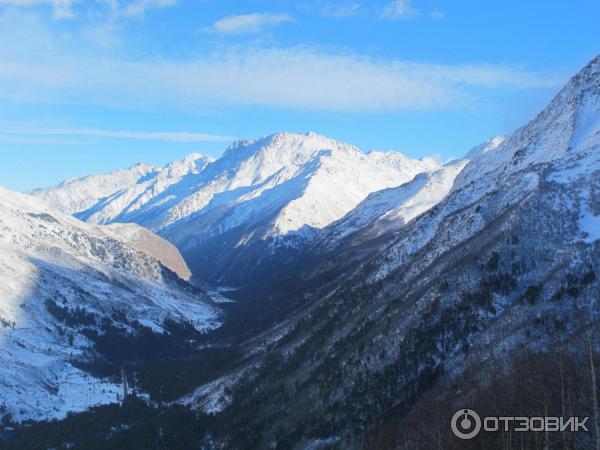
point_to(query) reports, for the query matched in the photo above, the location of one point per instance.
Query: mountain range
(237, 218)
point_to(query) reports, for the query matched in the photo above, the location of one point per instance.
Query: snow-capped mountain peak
(566, 131)
(192, 164)
(283, 149)
(490, 145)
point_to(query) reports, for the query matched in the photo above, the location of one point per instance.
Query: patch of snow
(590, 225)
(210, 398)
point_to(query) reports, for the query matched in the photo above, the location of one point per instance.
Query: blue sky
(88, 86)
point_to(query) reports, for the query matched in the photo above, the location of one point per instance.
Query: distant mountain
(74, 297)
(485, 269)
(248, 211)
(104, 198)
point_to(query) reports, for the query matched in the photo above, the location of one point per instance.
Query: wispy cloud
(12, 139)
(341, 10)
(140, 7)
(249, 23)
(28, 133)
(61, 9)
(291, 78)
(40, 66)
(64, 9)
(399, 10)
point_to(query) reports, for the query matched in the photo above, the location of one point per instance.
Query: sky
(89, 86)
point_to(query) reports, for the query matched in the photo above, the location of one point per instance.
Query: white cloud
(399, 10)
(61, 9)
(43, 133)
(12, 139)
(249, 23)
(341, 10)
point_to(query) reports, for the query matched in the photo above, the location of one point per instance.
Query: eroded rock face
(150, 243)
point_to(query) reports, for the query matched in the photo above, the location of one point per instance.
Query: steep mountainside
(72, 295)
(505, 264)
(260, 202)
(389, 209)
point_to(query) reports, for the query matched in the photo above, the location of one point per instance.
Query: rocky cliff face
(150, 243)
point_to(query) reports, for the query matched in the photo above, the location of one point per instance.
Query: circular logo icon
(465, 424)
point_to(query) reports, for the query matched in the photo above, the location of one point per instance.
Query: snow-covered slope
(260, 196)
(390, 209)
(59, 277)
(79, 194)
(103, 198)
(566, 132)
